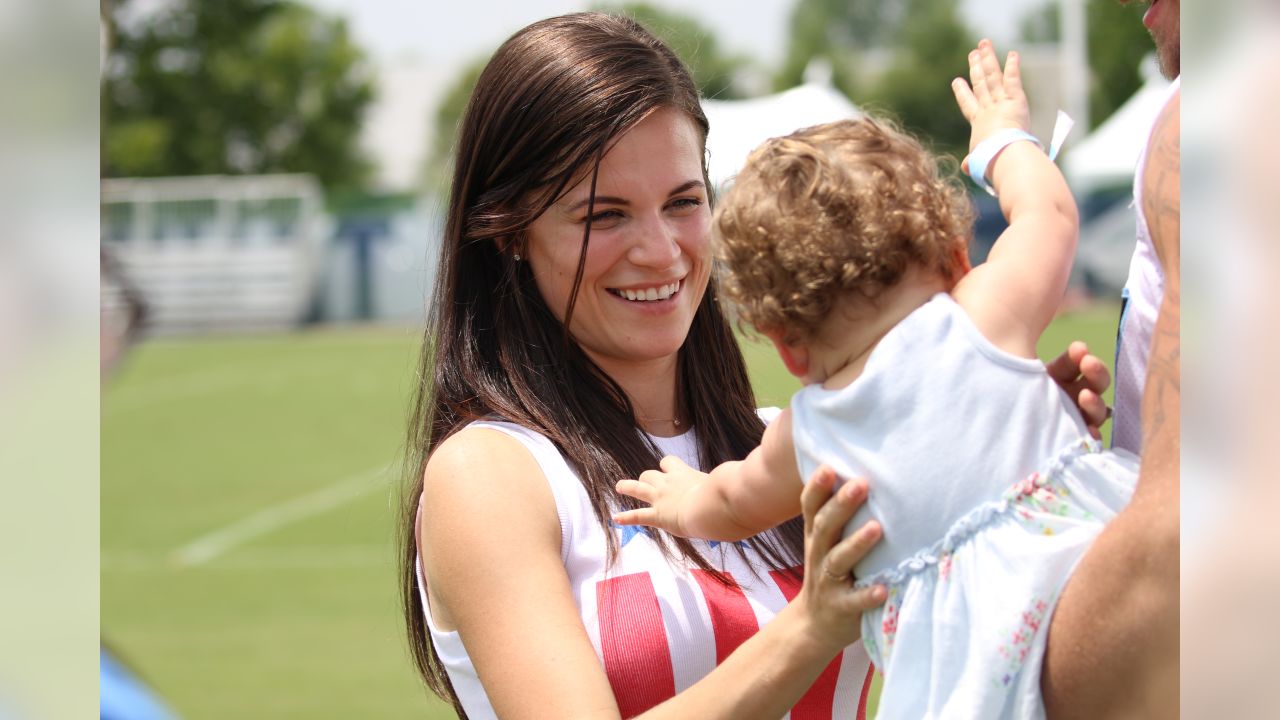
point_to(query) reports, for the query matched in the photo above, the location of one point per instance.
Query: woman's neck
(650, 385)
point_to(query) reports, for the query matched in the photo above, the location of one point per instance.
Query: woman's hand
(828, 595)
(1084, 378)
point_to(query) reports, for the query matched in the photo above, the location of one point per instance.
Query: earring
(517, 257)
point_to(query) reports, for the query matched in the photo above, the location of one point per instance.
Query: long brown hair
(543, 113)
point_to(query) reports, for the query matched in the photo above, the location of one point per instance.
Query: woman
(574, 340)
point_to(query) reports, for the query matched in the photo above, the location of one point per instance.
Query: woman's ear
(794, 356)
(509, 246)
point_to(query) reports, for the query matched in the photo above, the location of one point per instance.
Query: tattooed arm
(1113, 641)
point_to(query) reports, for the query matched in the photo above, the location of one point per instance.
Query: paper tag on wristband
(1061, 128)
(986, 151)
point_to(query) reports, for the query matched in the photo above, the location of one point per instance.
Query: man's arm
(1113, 641)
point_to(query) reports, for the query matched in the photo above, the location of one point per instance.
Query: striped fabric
(659, 629)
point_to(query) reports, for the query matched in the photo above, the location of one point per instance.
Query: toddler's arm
(1013, 296)
(734, 501)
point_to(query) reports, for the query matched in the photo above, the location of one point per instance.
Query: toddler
(846, 246)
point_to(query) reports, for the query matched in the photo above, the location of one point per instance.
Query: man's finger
(1066, 367)
(1097, 376)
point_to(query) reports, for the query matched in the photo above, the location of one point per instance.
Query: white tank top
(1141, 298)
(657, 629)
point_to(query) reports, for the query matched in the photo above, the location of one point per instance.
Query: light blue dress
(989, 490)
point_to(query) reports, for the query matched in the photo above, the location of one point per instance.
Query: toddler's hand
(664, 490)
(996, 101)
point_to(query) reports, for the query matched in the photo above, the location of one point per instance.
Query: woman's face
(647, 262)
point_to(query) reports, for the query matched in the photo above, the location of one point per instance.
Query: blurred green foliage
(931, 50)
(1117, 42)
(835, 31)
(892, 58)
(234, 86)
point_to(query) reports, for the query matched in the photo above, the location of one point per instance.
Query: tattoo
(1161, 186)
(1161, 204)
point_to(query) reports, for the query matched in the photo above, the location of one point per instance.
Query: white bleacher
(218, 253)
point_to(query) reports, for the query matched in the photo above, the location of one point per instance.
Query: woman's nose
(655, 244)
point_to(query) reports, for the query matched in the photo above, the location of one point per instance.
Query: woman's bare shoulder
(484, 470)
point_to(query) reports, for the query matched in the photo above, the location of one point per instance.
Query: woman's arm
(490, 544)
(491, 550)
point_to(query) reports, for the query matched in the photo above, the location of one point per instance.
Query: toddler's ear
(795, 357)
(962, 257)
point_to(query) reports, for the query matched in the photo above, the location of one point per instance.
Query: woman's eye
(605, 217)
(686, 203)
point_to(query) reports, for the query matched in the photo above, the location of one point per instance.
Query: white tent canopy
(1108, 156)
(738, 126)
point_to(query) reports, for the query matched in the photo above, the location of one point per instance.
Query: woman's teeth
(648, 294)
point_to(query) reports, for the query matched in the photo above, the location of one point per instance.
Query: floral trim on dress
(944, 567)
(1015, 648)
(888, 629)
(1035, 493)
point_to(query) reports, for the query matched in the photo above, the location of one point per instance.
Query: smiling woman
(575, 339)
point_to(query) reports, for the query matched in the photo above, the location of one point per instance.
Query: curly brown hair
(830, 210)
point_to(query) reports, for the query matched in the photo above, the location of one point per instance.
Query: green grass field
(248, 503)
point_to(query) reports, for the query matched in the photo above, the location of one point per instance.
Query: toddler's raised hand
(665, 491)
(996, 100)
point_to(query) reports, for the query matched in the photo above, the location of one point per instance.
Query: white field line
(311, 557)
(211, 545)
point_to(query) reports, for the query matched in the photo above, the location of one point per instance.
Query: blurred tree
(1117, 43)
(899, 58)
(932, 49)
(835, 32)
(715, 72)
(234, 86)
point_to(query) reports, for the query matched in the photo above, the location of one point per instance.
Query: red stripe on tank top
(732, 619)
(866, 692)
(633, 641)
(819, 702)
